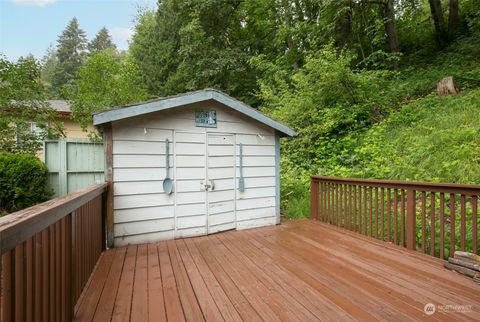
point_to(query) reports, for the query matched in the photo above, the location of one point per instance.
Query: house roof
(169, 102)
(60, 106)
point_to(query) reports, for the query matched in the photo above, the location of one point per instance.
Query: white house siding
(144, 213)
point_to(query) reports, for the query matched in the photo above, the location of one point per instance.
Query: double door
(204, 168)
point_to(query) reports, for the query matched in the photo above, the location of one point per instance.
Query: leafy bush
(23, 182)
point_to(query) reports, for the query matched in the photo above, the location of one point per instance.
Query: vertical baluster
(442, 225)
(395, 216)
(452, 224)
(360, 209)
(376, 212)
(350, 219)
(339, 205)
(58, 271)
(365, 201)
(354, 208)
(462, 223)
(324, 197)
(328, 203)
(432, 223)
(345, 204)
(336, 205)
(371, 211)
(389, 214)
(52, 273)
(382, 211)
(320, 201)
(19, 283)
(46, 274)
(29, 289)
(63, 249)
(8, 285)
(424, 221)
(402, 218)
(474, 225)
(38, 276)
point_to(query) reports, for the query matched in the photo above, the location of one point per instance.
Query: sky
(30, 26)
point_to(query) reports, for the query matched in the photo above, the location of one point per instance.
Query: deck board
(297, 271)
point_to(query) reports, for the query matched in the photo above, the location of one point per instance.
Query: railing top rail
(21, 225)
(471, 189)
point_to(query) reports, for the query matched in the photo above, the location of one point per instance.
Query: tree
(453, 19)
(191, 45)
(445, 33)
(26, 119)
(388, 13)
(102, 41)
(71, 51)
(48, 65)
(105, 80)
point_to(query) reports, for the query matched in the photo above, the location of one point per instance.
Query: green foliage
(102, 41)
(22, 102)
(23, 182)
(105, 80)
(325, 102)
(191, 45)
(385, 125)
(71, 51)
(47, 71)
(431, 139)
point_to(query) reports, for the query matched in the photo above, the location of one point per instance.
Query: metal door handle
(207, 187)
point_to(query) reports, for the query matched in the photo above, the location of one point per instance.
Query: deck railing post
(314, 198)
(411, 223)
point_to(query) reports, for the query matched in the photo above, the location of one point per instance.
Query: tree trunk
(453, 19)
(343, 25)
(289, 41)
(438, 21)
(388, 14)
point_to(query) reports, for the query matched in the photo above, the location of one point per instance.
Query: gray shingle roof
(169, 102)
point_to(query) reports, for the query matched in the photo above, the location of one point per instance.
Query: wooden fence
(47, 255)
(434, 218)
(73, 164)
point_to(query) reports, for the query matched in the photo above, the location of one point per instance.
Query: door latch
(207, 187)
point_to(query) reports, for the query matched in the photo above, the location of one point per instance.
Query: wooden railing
(434, 218)
(47, 255)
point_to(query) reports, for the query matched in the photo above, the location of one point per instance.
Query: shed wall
(144, 213)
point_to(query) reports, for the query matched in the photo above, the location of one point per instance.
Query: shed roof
(169, 102)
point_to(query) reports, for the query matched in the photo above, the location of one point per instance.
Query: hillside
(423, 138)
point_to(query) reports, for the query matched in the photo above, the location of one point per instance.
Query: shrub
(23, 182)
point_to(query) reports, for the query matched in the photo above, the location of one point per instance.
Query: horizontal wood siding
(256, 206)
(143, 213)
(191, 214)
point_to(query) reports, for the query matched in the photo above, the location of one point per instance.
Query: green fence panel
(74, 164)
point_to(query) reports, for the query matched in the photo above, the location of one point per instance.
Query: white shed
(222, 166)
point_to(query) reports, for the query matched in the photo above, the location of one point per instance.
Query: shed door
(204, 183)
(220, 182)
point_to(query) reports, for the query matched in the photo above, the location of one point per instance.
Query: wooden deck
(297, 271)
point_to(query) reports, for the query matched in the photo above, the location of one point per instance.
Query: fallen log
(468, 263)
(467, 255)
(460, 269)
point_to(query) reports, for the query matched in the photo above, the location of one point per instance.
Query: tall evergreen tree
(71, 50)
(48, 64)
(102, 41)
